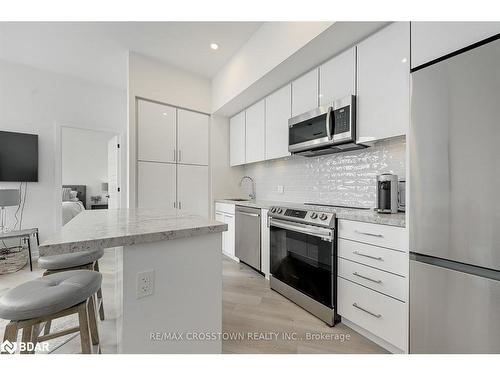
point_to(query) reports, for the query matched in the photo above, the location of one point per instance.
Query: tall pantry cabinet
(172, 158)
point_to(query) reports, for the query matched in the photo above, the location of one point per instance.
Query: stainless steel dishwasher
(248, 236)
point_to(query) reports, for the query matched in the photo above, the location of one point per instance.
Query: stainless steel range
(304, 259)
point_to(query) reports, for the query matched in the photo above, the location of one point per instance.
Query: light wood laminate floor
(256, 316)
(269, 323)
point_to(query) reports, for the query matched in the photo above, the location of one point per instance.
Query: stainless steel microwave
(324, 130)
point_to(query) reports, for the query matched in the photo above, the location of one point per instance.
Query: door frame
(58, 128)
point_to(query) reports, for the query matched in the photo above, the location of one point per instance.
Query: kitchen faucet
(252, 194)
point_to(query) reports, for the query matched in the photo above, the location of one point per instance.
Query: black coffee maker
(387, 193)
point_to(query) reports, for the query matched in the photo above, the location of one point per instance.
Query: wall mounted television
(18, 157)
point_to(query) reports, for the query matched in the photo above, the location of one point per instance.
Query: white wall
(225, 179)
(271, 44)
(34, 101)
(153, 80)
(85, 160)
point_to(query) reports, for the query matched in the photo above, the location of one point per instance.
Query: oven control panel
(323, 219)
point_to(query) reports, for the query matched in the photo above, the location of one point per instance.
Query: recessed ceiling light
(214, 46)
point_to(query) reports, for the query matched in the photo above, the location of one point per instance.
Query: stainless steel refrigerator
(455, 204)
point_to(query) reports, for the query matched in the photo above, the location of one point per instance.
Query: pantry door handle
(369, 234)
(367, 278)
(367, 256)
(366, 311)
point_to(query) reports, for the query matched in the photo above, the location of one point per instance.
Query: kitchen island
(179, 255)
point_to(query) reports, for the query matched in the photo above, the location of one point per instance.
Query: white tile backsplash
(346, 179)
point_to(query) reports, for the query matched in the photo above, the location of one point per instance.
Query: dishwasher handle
(248, 214)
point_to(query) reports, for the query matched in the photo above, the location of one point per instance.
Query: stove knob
(314, 215)
(323, 216)
(273, 210)
(279, 210)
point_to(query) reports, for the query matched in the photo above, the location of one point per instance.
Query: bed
(72, 207)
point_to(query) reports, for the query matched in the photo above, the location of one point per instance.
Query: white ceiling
(98, 51)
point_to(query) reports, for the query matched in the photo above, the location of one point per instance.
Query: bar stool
(82, 260)
(29, 305)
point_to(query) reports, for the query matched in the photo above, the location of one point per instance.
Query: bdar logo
(9, 347)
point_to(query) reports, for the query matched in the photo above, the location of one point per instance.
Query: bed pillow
(66, 194)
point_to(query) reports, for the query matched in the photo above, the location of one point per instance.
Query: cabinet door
(192, 137)
(337, 77)
(255, 132)
(192, 189)
(237, 139)
(219, 216)
(305, 93)
(156, 125)
(156, 185)
(229, 220)
(431, 40)
(278, 111)
(384, 84)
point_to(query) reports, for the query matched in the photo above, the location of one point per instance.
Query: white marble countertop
(367, 216)
(100, 229)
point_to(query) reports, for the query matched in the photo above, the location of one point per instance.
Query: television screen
(18, 157)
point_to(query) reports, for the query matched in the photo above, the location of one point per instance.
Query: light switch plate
(145, 283)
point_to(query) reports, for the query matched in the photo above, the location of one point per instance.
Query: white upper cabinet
(278, 111)
(255, 132)
(431, 40)
(156, 125)
(192, 137)
(337, 77)
(237, 139)
(305, 93)
(383, 94)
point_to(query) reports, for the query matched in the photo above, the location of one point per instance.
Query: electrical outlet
(145, 283)
(281, 189)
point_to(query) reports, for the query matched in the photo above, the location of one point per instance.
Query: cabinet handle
(175, 154)
(366, 311)
(179, 155)
(369, 234)
(175, 205)
(367, 278)
(180, 207)
(367, 256)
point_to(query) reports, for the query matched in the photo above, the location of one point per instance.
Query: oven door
(302, 257)
(312, 129)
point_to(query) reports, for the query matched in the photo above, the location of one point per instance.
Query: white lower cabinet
(192, 189)
(372, 285)
(224, 213)
(383, 316)
(182, 188)
(156, 185)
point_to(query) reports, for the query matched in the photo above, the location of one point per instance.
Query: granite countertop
(367, 216)
(100, 229)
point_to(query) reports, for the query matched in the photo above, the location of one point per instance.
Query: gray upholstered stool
(29, 305)
(74, 261)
